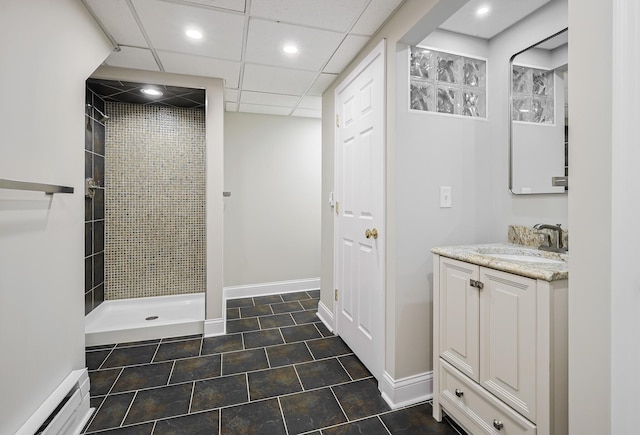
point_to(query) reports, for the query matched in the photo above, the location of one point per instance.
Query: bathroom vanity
(500, 338)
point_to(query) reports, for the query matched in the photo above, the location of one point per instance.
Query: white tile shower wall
(155, 201)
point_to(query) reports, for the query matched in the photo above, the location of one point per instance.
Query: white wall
(272, 219)
(48, 49)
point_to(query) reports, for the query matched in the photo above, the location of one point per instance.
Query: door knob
(371, 233)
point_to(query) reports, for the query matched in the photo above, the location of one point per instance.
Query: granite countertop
(481, 255)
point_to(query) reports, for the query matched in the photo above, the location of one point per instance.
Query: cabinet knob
(498, 424)
(459, 393)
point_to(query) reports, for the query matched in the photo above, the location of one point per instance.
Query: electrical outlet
(445, 196)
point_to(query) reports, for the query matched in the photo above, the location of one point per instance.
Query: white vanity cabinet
(500, 350)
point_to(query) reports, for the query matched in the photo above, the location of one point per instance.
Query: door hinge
(337, 120)
(477, 284)
(336, 295)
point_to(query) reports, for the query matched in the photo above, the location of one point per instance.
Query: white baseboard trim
(326, 316)
(213, 327)
(406, 391)
(270, 288)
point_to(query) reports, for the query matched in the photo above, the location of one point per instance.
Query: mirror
(539, 120)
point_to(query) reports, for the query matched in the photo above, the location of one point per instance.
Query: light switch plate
(445, 196)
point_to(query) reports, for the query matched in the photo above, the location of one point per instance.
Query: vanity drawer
(477, 409)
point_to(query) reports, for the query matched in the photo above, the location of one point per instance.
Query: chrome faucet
(558, 245)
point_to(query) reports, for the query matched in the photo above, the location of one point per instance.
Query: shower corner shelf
(38, 187)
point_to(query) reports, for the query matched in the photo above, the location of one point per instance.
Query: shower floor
(125, 320)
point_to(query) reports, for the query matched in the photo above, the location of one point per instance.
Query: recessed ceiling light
(290, 49)
(193, 33)
(151, 92)
(483, 10)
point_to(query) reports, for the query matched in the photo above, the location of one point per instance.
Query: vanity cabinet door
(508, 339)
(459, 316)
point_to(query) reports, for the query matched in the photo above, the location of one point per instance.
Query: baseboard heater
(65, 411)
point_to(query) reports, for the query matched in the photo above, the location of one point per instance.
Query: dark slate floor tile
(182, 338)
(416, 419)
(276, 321)
(311, 410)
(178, 349)
(295, 296)
(327, 347)
(360, 399)
(354, 367)
(145, 376)
(314, 293)
(95, 358)
(233, 313)
(244, 361)
(242, 325)
(273, 382)
(192, 369)
(323, 329)
(322, 374)
(269, 299)
(157, 403)
(257, 418)
(130, 356)
(309, 304)
(288, 354)
(222, 343)
(219, 392)
(286, 307)
(300, 333)
(101, 381)
(302, 317)
(202, 423)
(100, 347)
(96, 401)
(370, 426)
(111, 412)
(138, 429)
(240, 302)
(268, 337)
(258, 310)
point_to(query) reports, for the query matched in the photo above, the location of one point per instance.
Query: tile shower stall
(145, 224)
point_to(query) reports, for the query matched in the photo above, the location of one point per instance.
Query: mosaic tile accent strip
(155, 201)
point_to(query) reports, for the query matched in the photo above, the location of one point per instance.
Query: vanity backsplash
(528, 236)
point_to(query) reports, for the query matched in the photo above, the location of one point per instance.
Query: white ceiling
(243, 42)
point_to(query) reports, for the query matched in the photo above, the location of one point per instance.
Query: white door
(359, 226)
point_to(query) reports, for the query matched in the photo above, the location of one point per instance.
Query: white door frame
(378, 51)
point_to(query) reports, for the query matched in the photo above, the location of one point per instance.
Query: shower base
(124, 320)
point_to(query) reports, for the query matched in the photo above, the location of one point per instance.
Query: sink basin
(524, 257)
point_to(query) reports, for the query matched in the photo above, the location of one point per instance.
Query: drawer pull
(459, 393)
(498, 424)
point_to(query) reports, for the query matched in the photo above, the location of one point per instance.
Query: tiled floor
(277, 371)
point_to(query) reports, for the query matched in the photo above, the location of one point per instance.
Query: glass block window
(447, 83)
(532, 96)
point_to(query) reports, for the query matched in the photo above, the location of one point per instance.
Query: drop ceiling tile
(231, 107)
(261, 78)
(310, 102)
(165, 24)
(267, 110)
(337, 15)
(321, 84)
(232, 5)
(376, 14)
(349, 48)
(201, 66)
(307, 113)
(117, 18)
(266, 40)
(249, 97)
(231, 94)
(132, 57)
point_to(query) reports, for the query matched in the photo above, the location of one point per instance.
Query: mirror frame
(510, 95)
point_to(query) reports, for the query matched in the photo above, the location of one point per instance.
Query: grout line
(298, 376)
(345, 368)
(339, 404)
(128, 409)
(173, 367)
(193, 389)
(383, 425)
(284, 420)
(106, 358)
(246, 381)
